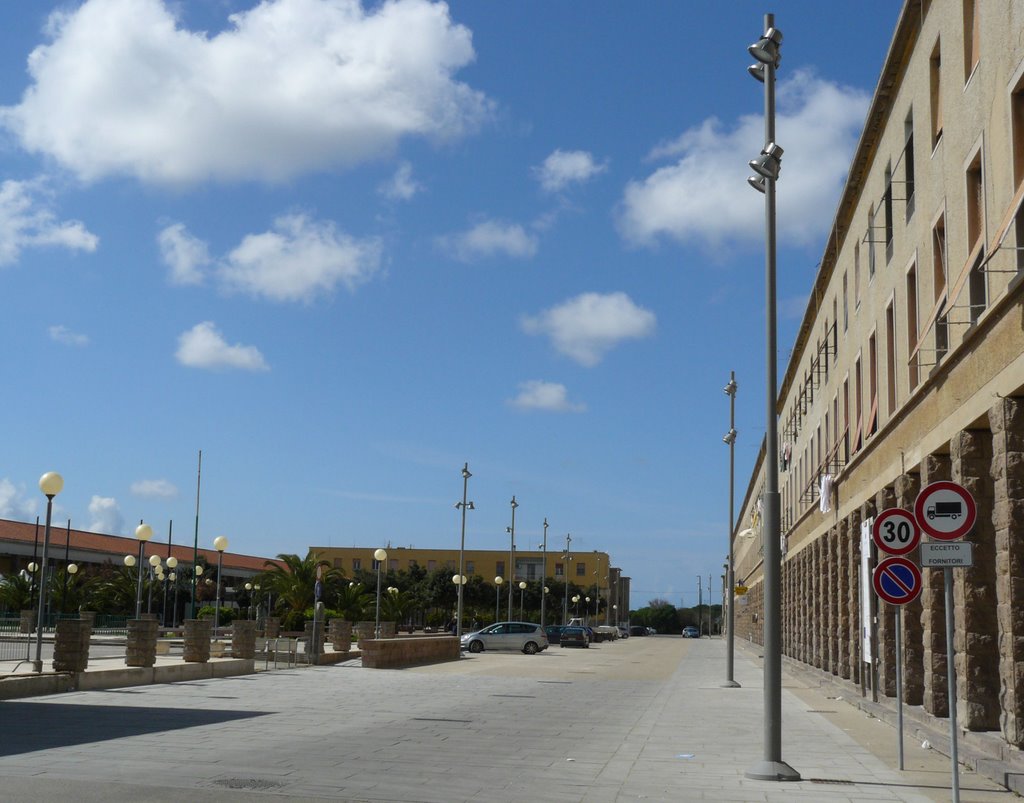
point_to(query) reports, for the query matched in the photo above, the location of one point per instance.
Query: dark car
(574, 636)
(637, 630)
(554, 633)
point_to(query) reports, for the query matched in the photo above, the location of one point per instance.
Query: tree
(15, 592)
(293, 584)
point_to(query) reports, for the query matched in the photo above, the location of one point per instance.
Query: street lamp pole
(51, 484)
(522, 595)
(544, 573)
(380, 556)
(565, 577)
(220, 543)
(512, 555)
(462, 544)
(730, 578)
(772, 767)
(143, 533)
(497, 597)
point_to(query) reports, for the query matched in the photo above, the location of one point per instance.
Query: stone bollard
(28, 621)
(314, 648)
(197, 640)
(142, 635)
(339, 631)
(243, 639)
(71, 645)
(88, 616)
(273, 627)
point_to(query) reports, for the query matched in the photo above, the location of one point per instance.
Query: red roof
(116, 546)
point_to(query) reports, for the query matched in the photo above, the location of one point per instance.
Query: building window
(908, 165)
(871, 242)
(858, 389)
(846, 420)
(872, 422)
(559, 570)
(357, 564)
(972, 38)
(500, 568)
(1017, 124)
(977, 288)
(890, 359)
(935, 86)
(581, 569)
(431, 565)
(939, 281)
(887, 212)
(392, 564)
(856, 275)
(846, 304)
(470, 569)
(376, 564)
(975, 201)
(912, 333)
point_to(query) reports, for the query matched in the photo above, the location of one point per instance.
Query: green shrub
(227, 615)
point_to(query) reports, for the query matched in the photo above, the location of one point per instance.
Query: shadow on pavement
(30, 726)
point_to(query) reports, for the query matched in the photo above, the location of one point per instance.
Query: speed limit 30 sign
(895, 531)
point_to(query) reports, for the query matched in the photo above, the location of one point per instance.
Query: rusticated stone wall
(197, 640)
(817, 607)
(885, 499)
(71, 645)
(975, 638)
(339, 632)
(933, 611)
(846, 612)
(141, 646)
(1006, 420)
(907, 488)
(832, 591)
(853, 567)
(243, 638)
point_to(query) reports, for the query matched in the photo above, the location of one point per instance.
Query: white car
(525, 636)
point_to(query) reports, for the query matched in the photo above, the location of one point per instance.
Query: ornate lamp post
(172, 564)
(379, 556)
(220, 543)
(512, 555)
(522, 595)
(51, 484)
(497, 596)
(143, 533)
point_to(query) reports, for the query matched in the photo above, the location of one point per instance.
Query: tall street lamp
(565, 576)
(497, 597)
(464, 505)
(522, 595)
(512, 554)
(51, 484)
(772, 768)
(172, 564)
(730, 578)
(220, 543)
(143, 533)
(460, 581)
(379, 556)
(155, 572)
(544, 572)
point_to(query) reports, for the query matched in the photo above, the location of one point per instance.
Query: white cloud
(587, 326)
(154, 489)
(184, 254)
(290, 86)
(203, 346)
(105, 516)
(536, 394)
(299, 259)
(490, 238)
(14, 503)
(61, 334)
(562, 168)
(401, 186)
(26, 221)
(704, 197)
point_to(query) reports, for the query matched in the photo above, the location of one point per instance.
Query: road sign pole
(899, 683)
(951, 685)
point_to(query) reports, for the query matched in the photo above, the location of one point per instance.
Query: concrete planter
(28, 621)
(197, 640)
(243, 639)
(339, 631)
(71, 645)
(141, 650)
(272, 628)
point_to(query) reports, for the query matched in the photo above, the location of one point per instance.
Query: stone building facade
(909, 368)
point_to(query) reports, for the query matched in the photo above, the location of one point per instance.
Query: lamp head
(198, 570)
(499, 580)
(757, 71)
(154, 560)
(730, 389)
(33, 567)
(766, 49)
(769, 162)
(514, 503)
(72, 568)
(220, 543)
(172, 577)
(730, 437)
(129, 560)
(248, 586)
(380, 555)
(143, 532)
(51, 484)
(470, 506)
(465, 472)
(522, 585)
(757, 182)
(172, 562)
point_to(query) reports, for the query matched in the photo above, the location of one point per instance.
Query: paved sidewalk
(639, 719)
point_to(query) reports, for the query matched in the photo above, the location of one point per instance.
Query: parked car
(525, 636)
(574, 636)
(638, 630)
(651, 631)
(623, 631)
(691, 632)
(554, 633)
(605, 633)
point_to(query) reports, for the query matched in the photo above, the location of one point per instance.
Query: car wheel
(530, 648)
(586, 644)
(476, 646)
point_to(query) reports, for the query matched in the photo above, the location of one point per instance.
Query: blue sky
(345, 248)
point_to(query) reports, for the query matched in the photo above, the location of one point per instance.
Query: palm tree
(353, 601)
(115, 593)
(15, 592)
(293, 585)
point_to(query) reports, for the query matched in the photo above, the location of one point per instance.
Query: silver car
(530, 638)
